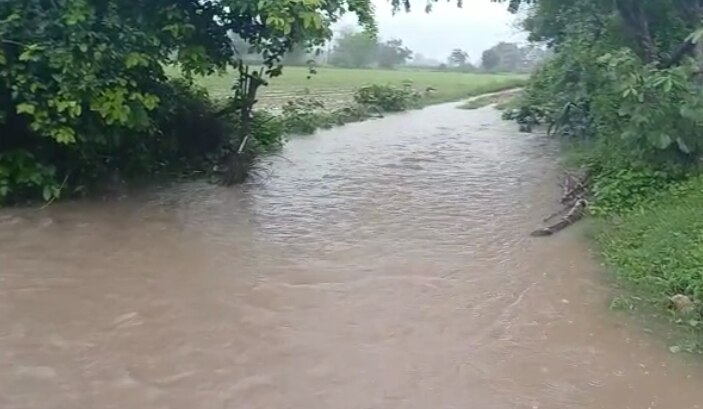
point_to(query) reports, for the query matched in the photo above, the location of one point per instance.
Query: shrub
(21, 175)
(306, 115)
(620, 190)
(185, 129)
(388, 98)
(191, 122)
(352, 113)
(303, 115)
(267, 130)
(525, 115)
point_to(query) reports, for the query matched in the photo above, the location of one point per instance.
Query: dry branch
(574, 190)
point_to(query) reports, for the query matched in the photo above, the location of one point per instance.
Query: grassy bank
(335, 86)
(657, 252)
(647, 228)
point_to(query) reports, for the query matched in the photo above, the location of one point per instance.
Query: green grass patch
(335, 86)
(658, 251)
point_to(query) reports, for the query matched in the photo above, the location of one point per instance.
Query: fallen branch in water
(575, 188)
(556, 214)
(575, 214)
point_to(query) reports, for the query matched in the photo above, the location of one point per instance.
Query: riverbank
(647, 228)
(656, 252)
(637, 100)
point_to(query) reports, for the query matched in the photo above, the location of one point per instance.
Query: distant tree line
(502, 57)
(351, 49)
(358, 49)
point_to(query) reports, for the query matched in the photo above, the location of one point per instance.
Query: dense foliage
(624, 78)
(84, 96)
(388, 98)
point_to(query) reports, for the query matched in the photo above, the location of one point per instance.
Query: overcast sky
(477, 26)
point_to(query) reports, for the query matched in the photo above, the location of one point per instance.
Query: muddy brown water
(380, 265)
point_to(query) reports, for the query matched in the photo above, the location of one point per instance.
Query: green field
(336, 85)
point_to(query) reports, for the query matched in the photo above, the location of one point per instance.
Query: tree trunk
(245, 98)
(637, 25)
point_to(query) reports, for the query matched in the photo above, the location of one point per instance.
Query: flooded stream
(380, 265)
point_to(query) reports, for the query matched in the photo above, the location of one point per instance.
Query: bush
(22, 176)
(191, 123)
(620, 190)
(304, 115)
(388, 98)
(267, 130)
(186, 129)
(525, 115)
(353, 113)
(634, 98)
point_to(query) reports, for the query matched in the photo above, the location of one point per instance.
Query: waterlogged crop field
(335, 86)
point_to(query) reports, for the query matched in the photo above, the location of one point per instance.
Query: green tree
(298, 55)
(490, 60)
(82, 83)
(458, 58)
(507, 57)
(621, 75)
(354, 50)
(393, 53)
